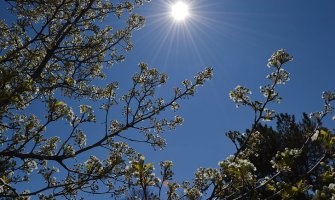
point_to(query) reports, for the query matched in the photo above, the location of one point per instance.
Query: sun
(180, 11)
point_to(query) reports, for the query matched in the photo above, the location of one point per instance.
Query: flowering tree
(292, 161)
(49, 58)
(296, 161)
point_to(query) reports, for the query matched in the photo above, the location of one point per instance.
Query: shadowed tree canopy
(288, 134)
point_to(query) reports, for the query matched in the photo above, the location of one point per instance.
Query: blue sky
(236, 38)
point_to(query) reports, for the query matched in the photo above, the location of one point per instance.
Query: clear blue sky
(236, 38)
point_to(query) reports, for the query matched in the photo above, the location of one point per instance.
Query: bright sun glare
(179, 11)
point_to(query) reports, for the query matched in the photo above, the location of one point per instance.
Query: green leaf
(294, 189)
(324, 134)
(332, 140)
(148, 165)
(59, 103)
(270, 187)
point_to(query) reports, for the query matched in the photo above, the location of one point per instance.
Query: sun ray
(169, 36)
